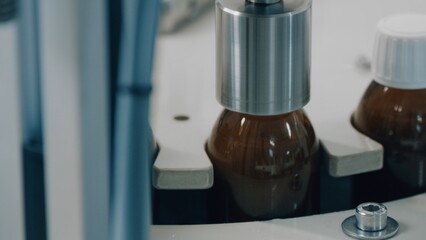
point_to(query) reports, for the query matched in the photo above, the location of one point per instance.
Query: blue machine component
(131, 177)
(7, 10)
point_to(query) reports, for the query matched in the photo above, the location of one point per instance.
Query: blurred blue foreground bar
(132, 164)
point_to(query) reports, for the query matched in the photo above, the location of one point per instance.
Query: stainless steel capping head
(263, 55)
(370, 222)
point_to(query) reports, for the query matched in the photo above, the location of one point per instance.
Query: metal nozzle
(263, 55)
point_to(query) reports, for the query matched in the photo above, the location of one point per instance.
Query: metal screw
(370, 222)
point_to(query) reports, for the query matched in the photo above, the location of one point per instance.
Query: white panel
(61, 100)
(11, 191)
(94, 107)
(184, 84)
(74, 86)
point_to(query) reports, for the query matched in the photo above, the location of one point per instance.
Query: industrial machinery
(101, 114)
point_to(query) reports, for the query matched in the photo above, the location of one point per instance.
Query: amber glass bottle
(396, 118)
(393, 110)
(266, 166)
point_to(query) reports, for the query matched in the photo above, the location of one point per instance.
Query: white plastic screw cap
(399, 56)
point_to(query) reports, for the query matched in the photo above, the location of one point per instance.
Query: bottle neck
(261, 116)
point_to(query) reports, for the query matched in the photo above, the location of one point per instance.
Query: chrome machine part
(370, 222)
(263, 55)
(371, 216)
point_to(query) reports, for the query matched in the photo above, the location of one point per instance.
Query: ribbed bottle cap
(263, 55)
(399, 57)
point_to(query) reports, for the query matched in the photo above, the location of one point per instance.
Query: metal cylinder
(371, 221)
(263, 55)
(371, 217)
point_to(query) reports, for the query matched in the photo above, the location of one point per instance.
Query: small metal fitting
(371, 217)
(370, 222)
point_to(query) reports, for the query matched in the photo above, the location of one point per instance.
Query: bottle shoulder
(263, 145)
(378, 96)
(291, 129)
(296, 121)
(392, 115)
(381, 104)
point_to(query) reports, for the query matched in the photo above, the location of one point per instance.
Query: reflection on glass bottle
(396, 118)
(268, 164)
(393, 110)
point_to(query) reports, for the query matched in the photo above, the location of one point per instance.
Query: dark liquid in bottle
(396, 118)
(265, 166)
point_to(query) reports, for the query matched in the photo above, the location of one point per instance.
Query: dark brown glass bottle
(393, 110)
(396, 118)
(265, 166)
